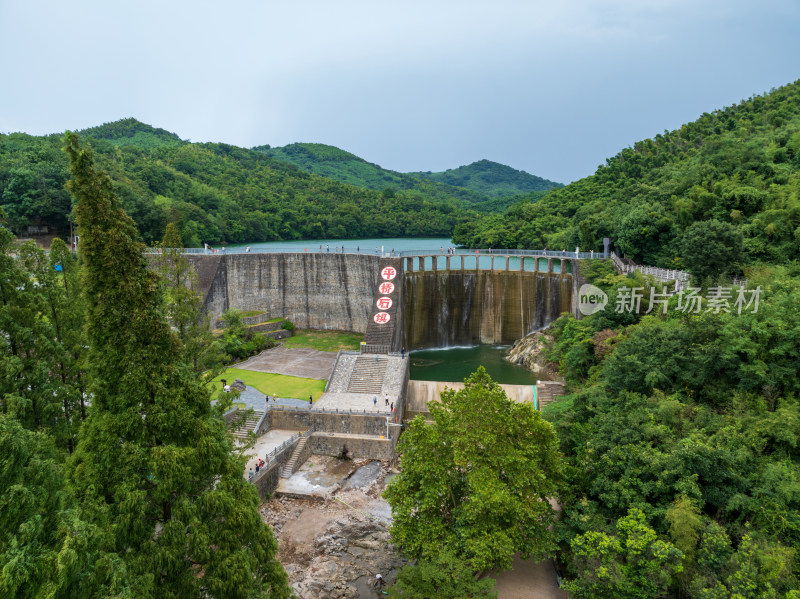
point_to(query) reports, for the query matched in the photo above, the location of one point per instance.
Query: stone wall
(267, 482)
(313, 290)
(345, 423)
(358, 447)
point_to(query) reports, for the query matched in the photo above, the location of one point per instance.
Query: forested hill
(214, 192)
(130, 132)
(733, 174)
(477, 183)
(332, 162)
(491, 179)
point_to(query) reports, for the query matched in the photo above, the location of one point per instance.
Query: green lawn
(274, 384)
(276, 319)
(331, 341)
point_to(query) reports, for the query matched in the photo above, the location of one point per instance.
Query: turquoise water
(457, 363)
(401, 244)
(365, 246)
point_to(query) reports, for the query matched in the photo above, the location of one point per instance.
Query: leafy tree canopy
(478, 480)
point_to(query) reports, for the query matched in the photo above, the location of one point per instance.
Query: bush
(287, 325)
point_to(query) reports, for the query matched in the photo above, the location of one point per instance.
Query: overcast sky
(550, 87)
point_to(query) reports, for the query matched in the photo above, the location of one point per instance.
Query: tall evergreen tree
(185, 305)
(153, 450)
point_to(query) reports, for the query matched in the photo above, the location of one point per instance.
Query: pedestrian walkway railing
(681, 277)
(375, 349)
(566, 254)
(272, 457)
(314, 410)
(260, 421)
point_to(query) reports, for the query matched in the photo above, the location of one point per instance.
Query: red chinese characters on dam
(388, 273)
(382, 318)
(386, 288)
(383, 303)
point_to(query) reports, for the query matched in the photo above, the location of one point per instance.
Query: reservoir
(457, 363)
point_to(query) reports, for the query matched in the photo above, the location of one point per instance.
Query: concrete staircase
(367, 376)
(289, 468)
(547, 392)
(248, 426)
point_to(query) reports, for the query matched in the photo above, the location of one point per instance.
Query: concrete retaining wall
(357, 424)
(358, 447)
(313, 290)
(420, 393)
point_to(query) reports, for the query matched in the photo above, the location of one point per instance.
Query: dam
(440, 300)
(400, 302)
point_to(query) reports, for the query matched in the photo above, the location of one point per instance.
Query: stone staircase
(547, 392)
(248, 427)
(289, 468)
(368, 374)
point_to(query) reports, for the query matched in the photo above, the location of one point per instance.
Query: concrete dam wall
(332, 291)
(446, 308)
(313, 290)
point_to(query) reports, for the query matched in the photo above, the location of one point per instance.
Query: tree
(444, 577)
(644, 231)
(32, 499)
(634, 564)
(185, 305)
(711, 248)
(153, 453)
(478, 480)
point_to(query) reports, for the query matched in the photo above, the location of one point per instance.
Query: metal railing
(315, 410)
(566, 254)
(681, 277)
(273, 456)
(368, 348)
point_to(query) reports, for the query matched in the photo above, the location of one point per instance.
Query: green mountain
(213, 192)
(491, 179)
(736, 169)
(130, 132)
(331, 162)
(475, 183)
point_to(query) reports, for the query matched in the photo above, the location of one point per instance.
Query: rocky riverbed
(332, 546)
